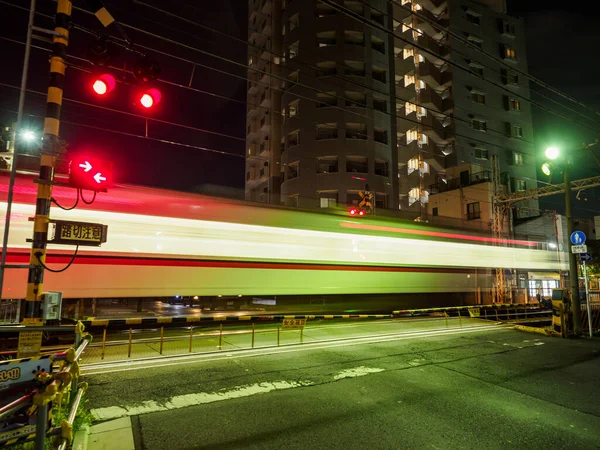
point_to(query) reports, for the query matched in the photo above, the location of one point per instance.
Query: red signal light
(90, 173)
(104, 84)
(150, 97)
(361, 213)
(352, 212)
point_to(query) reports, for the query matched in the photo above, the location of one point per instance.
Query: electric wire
(496, 59)
(377, 26)
(38, 255)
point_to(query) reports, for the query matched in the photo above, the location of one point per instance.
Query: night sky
(562, 45)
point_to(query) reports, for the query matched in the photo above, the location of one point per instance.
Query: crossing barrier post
(129, 346)
(103, 343)
(191, 338)
(252, 334)
(162, 336)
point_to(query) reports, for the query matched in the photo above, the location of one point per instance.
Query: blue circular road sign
(578, 238)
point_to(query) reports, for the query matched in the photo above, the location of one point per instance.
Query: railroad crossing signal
(90, 173)
(366, 200)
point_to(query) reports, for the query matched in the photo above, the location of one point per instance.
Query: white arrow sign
(86, 167)
(98, 177)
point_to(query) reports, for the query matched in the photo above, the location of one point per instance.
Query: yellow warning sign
(30, 344)
(294, 324)
(366, 199)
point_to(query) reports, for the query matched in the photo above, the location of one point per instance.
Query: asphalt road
(487, 387)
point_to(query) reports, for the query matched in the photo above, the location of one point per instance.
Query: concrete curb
(80, 440)
(537, 330)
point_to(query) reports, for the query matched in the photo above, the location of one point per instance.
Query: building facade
(386, 94)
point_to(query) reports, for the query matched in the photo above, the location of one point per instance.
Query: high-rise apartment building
(389, 94)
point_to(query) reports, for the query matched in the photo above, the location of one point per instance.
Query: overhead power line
(377, 26)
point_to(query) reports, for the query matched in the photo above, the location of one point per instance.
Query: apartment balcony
(435, 129)
(266, 7)
(456, 183)
(263, 149)
(253, 112)
(252, 151)
(434, 46)
(263, 174)
(436, 77)
(422, 21)
(432, 100)
(435, 6)
(252, 89)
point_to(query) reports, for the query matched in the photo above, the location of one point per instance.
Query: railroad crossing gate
(366, 200)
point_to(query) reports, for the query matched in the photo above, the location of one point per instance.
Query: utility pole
(573, 275)
(498, 212)
(58, 65)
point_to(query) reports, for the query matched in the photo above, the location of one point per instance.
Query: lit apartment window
(379, 104)
(476, 41)
(474, 18)
(293, 108)
(327, 131)
(326, 39)
(411, 135)
(509, 77)
(378, 74)
(294, 22)
(481, 153)
(477, 69)
(514, 130)
(414, 195)
(380, 135)
(354, 68)
(250, 60)
(293, 139)
(508, 28)
(293, 78)
(292, 170)
(479, 124)
(409, 108)
(511, 103)
(408, 80)
(326, 99)
(354, 38)
(509, 53)
(328, 202)
(325, 68)
(478, 97)
(378, 44)
(520, 185)
(473, 211)
(518, 158)
(407, 53)
(358, 164)
(293, 50)
(327, 164)
(412, 165)
(355, 99)
(356, 131)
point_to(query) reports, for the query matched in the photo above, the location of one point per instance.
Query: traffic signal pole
(573, 274)
(35, 279)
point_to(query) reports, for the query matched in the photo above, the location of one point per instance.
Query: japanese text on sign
(294, 323)
(79, 233)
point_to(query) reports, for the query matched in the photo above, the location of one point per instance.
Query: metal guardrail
(42, 388)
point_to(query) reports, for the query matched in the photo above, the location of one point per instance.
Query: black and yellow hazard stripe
(22, 360)
(41, 221)
(182, 320)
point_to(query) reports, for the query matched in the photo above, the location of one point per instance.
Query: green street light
(552, 152)
(547, 169)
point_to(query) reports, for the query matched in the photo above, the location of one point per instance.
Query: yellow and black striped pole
(60, 42)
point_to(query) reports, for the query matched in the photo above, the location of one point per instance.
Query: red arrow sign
(90, 173)
(86, 166)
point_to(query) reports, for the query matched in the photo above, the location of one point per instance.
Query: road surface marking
(356, 372)
(182, 401)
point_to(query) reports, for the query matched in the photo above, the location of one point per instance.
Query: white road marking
(145, 364)
(182, 401)
(356, 372)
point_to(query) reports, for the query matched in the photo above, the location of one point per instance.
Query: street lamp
(28, 135)
(553, 153)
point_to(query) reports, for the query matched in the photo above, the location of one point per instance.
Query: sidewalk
(113, 435)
